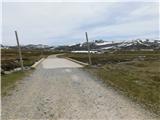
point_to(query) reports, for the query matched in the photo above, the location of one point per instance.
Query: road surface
(61, 90)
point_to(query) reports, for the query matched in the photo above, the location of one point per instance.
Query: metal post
(19, 50)
(88, 46)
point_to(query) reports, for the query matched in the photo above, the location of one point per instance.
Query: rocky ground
(61, 89)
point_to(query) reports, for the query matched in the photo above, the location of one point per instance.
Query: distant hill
(100, 45)
(30, 46)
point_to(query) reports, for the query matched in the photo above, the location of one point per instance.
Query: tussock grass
(137, 78)
(140, 83)
(8, 81)
(10, 58)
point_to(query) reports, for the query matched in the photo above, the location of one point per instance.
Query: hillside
(100, 45)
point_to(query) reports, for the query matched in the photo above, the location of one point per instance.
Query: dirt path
(60, 89)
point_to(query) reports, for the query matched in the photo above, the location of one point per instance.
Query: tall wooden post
(19, 50)
(88, 46)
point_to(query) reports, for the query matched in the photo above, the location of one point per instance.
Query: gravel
(61, 90)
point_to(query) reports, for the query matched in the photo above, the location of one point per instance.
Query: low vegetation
(10, 61)
(135, 74)
(116, 57)
(8, 81)
(10, 58)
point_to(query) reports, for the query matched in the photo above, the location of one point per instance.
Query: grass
(10, 58)
(115, 57)
(141, 83)
(8, 81)
(135, 76)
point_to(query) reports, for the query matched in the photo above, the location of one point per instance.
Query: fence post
(19, 50)
(88, 46)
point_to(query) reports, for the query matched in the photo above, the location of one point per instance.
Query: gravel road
(61, 90)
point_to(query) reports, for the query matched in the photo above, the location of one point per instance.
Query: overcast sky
(65, 23)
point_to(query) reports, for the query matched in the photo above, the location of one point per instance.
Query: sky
(57, 23)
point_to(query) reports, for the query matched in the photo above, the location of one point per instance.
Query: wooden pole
(88, 46)
(19, 50)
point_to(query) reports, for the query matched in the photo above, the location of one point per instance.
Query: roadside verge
(76, 61)
(37, 63)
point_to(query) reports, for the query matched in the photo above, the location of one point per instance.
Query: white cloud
(49, 22)
(126, 29)
(40, 21)
(80, 0)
